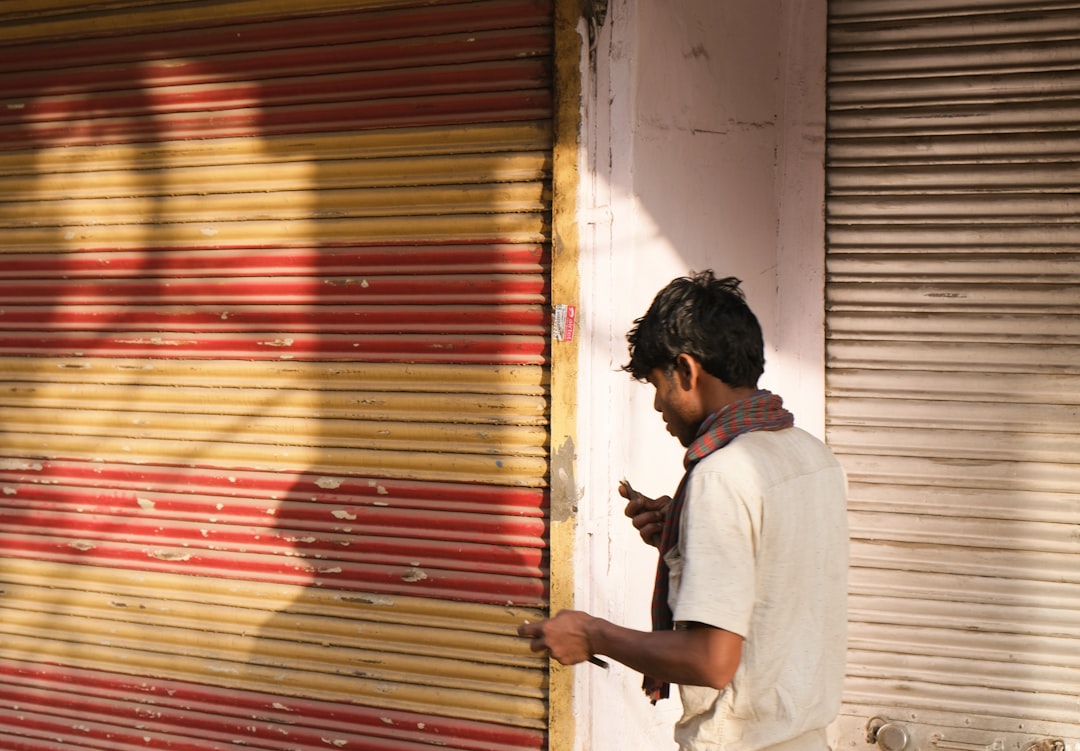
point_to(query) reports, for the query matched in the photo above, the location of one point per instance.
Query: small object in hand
(597, 661)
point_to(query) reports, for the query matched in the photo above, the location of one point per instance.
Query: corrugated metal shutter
(954, 367)
(273, 335)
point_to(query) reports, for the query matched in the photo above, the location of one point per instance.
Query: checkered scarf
(762, 410)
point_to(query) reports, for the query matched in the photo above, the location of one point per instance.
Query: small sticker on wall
(562, 323)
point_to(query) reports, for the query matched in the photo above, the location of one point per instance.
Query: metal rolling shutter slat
(61, 19)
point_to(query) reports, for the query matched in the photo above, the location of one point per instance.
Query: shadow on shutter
(275, 353)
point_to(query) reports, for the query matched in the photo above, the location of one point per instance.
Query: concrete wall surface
(704, 148)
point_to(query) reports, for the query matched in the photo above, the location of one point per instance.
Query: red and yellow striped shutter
(274, 295)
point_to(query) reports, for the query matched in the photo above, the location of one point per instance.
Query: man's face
(676, 404)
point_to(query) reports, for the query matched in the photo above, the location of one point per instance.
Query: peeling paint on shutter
(953, 378)
(274, 347)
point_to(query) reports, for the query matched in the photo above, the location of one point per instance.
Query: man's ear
(687, 370)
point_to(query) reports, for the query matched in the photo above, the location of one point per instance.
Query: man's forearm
(696, 656)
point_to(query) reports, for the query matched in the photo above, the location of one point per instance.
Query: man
(749, 607)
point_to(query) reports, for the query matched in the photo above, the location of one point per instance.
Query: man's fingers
(651, 534)
(649, 530)
(647, 519)
(531, 630)
(535, 632)
(658, 504)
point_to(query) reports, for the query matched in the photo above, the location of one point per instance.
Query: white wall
(704, 135)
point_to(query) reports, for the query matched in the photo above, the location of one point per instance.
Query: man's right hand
(647, 514)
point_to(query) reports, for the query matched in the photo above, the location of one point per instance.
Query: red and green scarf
(762, 410)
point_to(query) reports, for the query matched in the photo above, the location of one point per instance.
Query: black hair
(705, 317)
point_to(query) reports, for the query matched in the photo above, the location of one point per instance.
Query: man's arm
(699, 655)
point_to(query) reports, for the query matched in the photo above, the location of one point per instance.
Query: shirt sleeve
(714, 568)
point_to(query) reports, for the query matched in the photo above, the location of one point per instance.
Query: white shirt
(763, 553)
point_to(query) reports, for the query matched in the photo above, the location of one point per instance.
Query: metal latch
(887, 735)
(1046, 744)
(946, 745)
